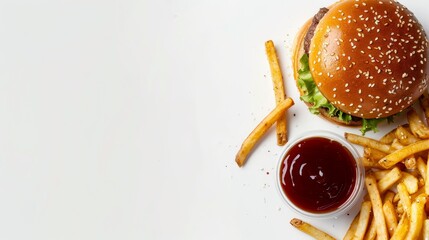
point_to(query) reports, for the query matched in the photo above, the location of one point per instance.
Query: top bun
(369, 58)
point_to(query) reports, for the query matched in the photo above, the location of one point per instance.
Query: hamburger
(360, 62)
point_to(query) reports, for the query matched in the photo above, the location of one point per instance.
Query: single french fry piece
(410, 182)
(418, 128)
(352, 228)
(389, 180)
(404, 136)
(365, 214)
(388, 196)
(421, 167)
(381, 174)
(404, 197)
(396, 145)
(389, 137)
(279, 90)
(310, 229)
(367, 142)
(370, 163)
(399, 155)
(417, 217)
(425, 231)
(410, 162)
(427, 180)
(402, 228)
(374, 195)
(390, 216)
(373, 154)
(260, 130)
(371, 233)
(424, 104)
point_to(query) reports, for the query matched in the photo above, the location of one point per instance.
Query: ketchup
(318, 174)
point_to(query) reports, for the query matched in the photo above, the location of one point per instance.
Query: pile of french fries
(397, 182)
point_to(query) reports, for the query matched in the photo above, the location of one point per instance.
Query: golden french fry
(427, 178)
(381, 173)
(404, 136)
(410, 162)
(401, 154)
(369, 163)
(390, 216)
(410, 182)
(402, 228)
(388, 137)
(388, 196)
(421, 167)
(373, 154)
(418, 128)
(310, 229)
(371, 233)
(261, 129)
(279, 90)
(424, 104)
(417, 217)
(352, 228)
(365, 214)
(396, 145)
(425, 231)
(367, 142)
(404, 197)
(374, 195)
(388, 180)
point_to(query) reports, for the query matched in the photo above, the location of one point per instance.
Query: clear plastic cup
(355, 196)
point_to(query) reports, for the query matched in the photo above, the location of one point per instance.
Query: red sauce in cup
(318, 174)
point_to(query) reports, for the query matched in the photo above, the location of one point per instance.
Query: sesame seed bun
(368, 58)
(298, 51)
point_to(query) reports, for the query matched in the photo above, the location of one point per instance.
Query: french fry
(410, 182)
(388, 180)
(367, 142)
(402, 228)
(373, 154)
(418, 128)
(370, 163)
(388, 196)
(279, 90)
(260, 130)
(374, 195)
(381, 173)
(352, 228)
(310, 230)
(404, 197)
(404, 136)
(424, 104)
(389, 137)
(410, 162)
(421, 167)
(365, 214)
(396, 145)
(427, 180)
(399, 155)
(371, 233)
(425, 231)
(417, 217)
(390, 216)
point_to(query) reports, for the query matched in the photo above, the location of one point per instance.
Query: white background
(121, 119)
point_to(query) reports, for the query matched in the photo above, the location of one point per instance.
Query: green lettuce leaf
(312, 95)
